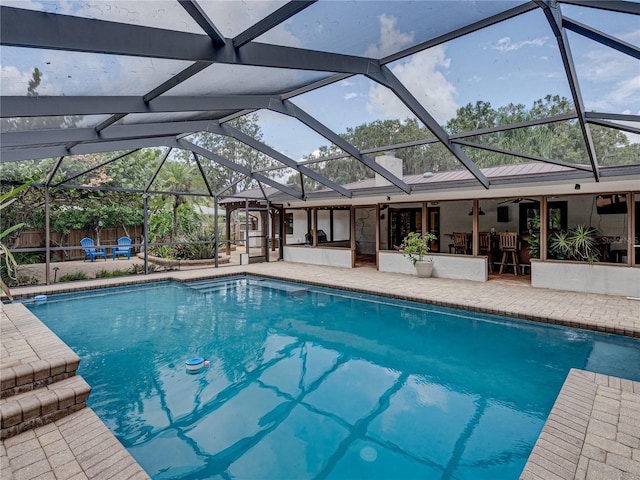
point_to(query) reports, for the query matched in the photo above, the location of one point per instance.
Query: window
(288, 223)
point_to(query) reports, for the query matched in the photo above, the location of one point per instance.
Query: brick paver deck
(592, 432)
(582, 439)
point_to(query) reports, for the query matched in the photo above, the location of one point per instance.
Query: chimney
(391, 163)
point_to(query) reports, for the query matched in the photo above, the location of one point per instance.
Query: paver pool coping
(592, 432)
(579, 439)
(601, 313)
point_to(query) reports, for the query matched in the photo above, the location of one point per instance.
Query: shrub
(199, 251)
(72, 277)
(111, 273)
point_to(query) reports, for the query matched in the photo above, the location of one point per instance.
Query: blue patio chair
(91, 251)
(123, 248)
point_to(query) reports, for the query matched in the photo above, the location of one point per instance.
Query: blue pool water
(307, 382)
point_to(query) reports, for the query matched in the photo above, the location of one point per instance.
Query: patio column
(315, 227)
(378, 234)
(352, 226)
(476, 227)
(47, 235)
(631, 233)
(544, 223)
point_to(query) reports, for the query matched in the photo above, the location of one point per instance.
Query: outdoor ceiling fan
(519, 200)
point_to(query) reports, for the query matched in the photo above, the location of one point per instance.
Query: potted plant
(416, 247)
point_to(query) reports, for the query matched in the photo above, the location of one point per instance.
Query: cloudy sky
(512, 62)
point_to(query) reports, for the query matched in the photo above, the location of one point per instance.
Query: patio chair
(91, 251)
(461, 243)
(123, 248)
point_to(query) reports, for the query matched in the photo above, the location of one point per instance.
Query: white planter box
(444, 266)
(592, 278)
(332, 257)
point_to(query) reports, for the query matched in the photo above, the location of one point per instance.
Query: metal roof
(124, 76)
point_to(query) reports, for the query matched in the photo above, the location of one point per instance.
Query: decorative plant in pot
(416, 247)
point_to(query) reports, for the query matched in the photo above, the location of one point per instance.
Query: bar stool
(484, 248)
(509, 244)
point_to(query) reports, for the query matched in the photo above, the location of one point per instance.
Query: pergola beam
(185, 145)
(282, 14)
(18, 154)
(385, 77)
(610, 5)
(288, 162)
(201, 18)
(290, 109)
(617, 126)
(447, 37)
(34, 29)
(601, 37)
(512, 153)
(554, 18)
(621, 117)
(42, 106)
(107, 162)
(34, 138)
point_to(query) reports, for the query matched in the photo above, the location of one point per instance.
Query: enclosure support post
(145, 237)
(47, 235)
(215, 230)
(227, 226)
(246, 225)
(267, 238)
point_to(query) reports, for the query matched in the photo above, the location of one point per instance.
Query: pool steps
(42, 406)
(47, 429)
(38, 382)
(211, 286)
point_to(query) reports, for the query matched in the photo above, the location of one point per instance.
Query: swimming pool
(306, 382)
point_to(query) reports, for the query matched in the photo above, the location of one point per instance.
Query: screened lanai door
(364, 232)
(255, 232)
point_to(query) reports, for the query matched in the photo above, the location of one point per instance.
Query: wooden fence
(108, 236)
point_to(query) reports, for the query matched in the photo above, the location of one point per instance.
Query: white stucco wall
(594, 278)
(299, 227)
(333, 257)
(341, 225)
(444, 266)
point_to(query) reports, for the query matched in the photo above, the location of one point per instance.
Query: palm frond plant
(578, 243)
(560, 245)
(584, 244)
(6, 257)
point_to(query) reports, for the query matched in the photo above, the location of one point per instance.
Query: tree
(231, 149)
(177, 177)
